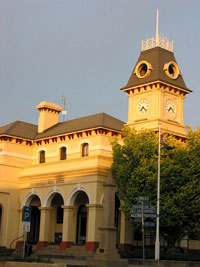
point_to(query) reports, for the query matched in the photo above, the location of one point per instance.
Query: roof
(157, 57)
(19, 129)
(30, 131)
(85, 123)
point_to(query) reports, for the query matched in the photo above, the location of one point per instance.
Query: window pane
(85, 147)
(42, 156)
(63, 153)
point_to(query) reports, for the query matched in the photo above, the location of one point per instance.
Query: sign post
(26, 223)
(138, 213)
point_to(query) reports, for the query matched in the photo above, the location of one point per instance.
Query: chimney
(49, 113)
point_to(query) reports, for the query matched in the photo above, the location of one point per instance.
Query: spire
(157, 32)
(159, 40)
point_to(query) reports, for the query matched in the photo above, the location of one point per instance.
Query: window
(63, 153)
(85, 149)
(42, 156)
(59, 215)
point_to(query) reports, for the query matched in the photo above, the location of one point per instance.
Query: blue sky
(86, 51)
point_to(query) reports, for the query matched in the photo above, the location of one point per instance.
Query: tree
(135, 173)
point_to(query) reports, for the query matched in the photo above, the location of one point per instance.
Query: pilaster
(45, 224)
(68, 227)
(94, 222)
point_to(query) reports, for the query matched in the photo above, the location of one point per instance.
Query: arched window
(63, 153)
(59, 215)
(85, 150)
(42, 156)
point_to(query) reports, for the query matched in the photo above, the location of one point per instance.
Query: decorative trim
(71, 197)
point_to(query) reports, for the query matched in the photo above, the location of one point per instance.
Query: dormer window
(85, 150)
(42, 156)
(63, 153)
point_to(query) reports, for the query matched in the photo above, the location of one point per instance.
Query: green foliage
(135, 168)
(170, 254)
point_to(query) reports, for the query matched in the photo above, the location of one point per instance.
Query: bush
(170, 254)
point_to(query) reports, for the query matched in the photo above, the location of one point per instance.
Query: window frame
(61, 153)
(85, 149)
(42, 156)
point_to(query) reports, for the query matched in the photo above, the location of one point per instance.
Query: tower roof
(158, 64)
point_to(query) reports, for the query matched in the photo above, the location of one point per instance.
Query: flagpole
(157, 244)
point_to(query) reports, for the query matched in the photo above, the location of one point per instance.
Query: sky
(86, 50)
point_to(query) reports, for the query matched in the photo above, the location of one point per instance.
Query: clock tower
(156, 89)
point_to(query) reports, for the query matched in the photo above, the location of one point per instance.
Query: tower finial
(160, 41)
(157, 33)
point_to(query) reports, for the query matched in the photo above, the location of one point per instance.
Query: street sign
(143, 198)
(26, 214)
(149, 223)
(149, 207)
(148, 215)
(133, 215)
(26, 226)
(135, 211)
(149, 211)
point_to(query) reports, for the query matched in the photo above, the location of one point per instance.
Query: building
(59, 168)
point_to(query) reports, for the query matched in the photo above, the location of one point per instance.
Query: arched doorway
(33, 235)
(80, 203)
(56, 219)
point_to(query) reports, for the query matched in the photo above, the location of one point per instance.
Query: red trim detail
(91, 246)
(41, 244)
(65, 244)
(125, 247)
(19, 244)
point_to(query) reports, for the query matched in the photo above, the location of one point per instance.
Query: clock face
(143, 106)
(170, 107)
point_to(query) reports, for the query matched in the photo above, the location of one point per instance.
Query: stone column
(126, 234)
(19, 243)
(107, 254)
(44, 227)
(94, 219)
(68, 236)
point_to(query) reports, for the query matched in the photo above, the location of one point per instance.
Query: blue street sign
(149, 223)
(135, 211)
(26, 214)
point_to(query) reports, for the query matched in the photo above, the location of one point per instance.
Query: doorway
(81, 227)
(33, 235)
(81, 224)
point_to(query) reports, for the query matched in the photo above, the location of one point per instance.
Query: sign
(135, 211)
(26, 214)
(26, 226)
(149, 211)
(149, 223)
(143, 198)
(148, 215)
(150, 207)
(133, 215)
